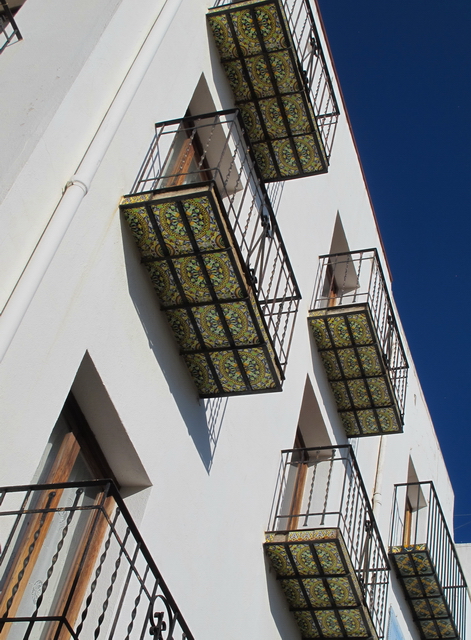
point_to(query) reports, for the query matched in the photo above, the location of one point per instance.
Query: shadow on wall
(284, 620)
(203, 418)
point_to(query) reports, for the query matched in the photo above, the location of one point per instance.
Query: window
(36, 568)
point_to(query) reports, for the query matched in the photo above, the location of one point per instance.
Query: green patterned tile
(404, 564)
(339, 331)
(141, 197)
(239, 323)
(438, 607)
(312, 534)
(353, 623)
(296, 114)
(368, 422)
(388, 420)
(350, 424)
(360, 329)
(341, 396)
(182, 328)
(235, 75)
(164, 284)
(332, 368)
(327, 621)
(285, 157)
(370, 361)
(201, 373)
(279, 559)
(446, 628)
(308, 154)
(223, 37)
(413, 587)
(428, 629)
(259, 73)
(272, 117)
(342, 592)
(359, 394)
(246, 32)
(306, 624)
(303, 559)
(430, 585)
(211, 327)
(379, 391)
(143, 232)
(317, 592)
(257, 368)
(293, 593)
(270, 27)
(264, 160)
(172, 228)
(191, 278)
(421, 608)
(349, 363)
(228, 371)
(329, 557)
(319, 330)
(422, 563)
(202, 220)
(251, 121)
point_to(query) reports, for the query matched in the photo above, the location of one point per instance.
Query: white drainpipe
(377, 494)
(79, 184)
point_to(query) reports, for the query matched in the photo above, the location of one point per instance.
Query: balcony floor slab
(320, 584)
(424, 592)
(204, 287)
(259, 57)
(349, 347)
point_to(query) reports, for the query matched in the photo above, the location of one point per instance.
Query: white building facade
(181, 303)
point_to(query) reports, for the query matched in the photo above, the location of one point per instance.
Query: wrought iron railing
(357, 278)
(73, 565)
(321, 487)
(9, 32)
(221, 155)
(312, 63)
(418, 523)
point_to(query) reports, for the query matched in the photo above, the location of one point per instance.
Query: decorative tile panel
(261, 63)
(350, 351)
(322, 589)
(205, 289)
(424, 593)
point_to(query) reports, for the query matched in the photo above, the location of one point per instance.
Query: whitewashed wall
(200, 474)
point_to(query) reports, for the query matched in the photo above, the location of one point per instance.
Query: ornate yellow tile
(306, 624)
(279, 559)
(353, 623)
(329, 557)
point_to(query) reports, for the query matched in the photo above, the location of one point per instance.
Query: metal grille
(357, 278)
(74, 565)
(418, 522)
(213, 148)
(312, 63)
(332, 495)
(9, 32)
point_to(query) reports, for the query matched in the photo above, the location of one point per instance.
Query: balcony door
(186, 161)
(45, 556)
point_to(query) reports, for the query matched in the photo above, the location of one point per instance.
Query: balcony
(424, 557)
(9, 32)
(73, 565)
(273, 59)
(325, 547)
(207, 235)
(356, 333)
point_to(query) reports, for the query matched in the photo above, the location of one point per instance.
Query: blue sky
(405, 71)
